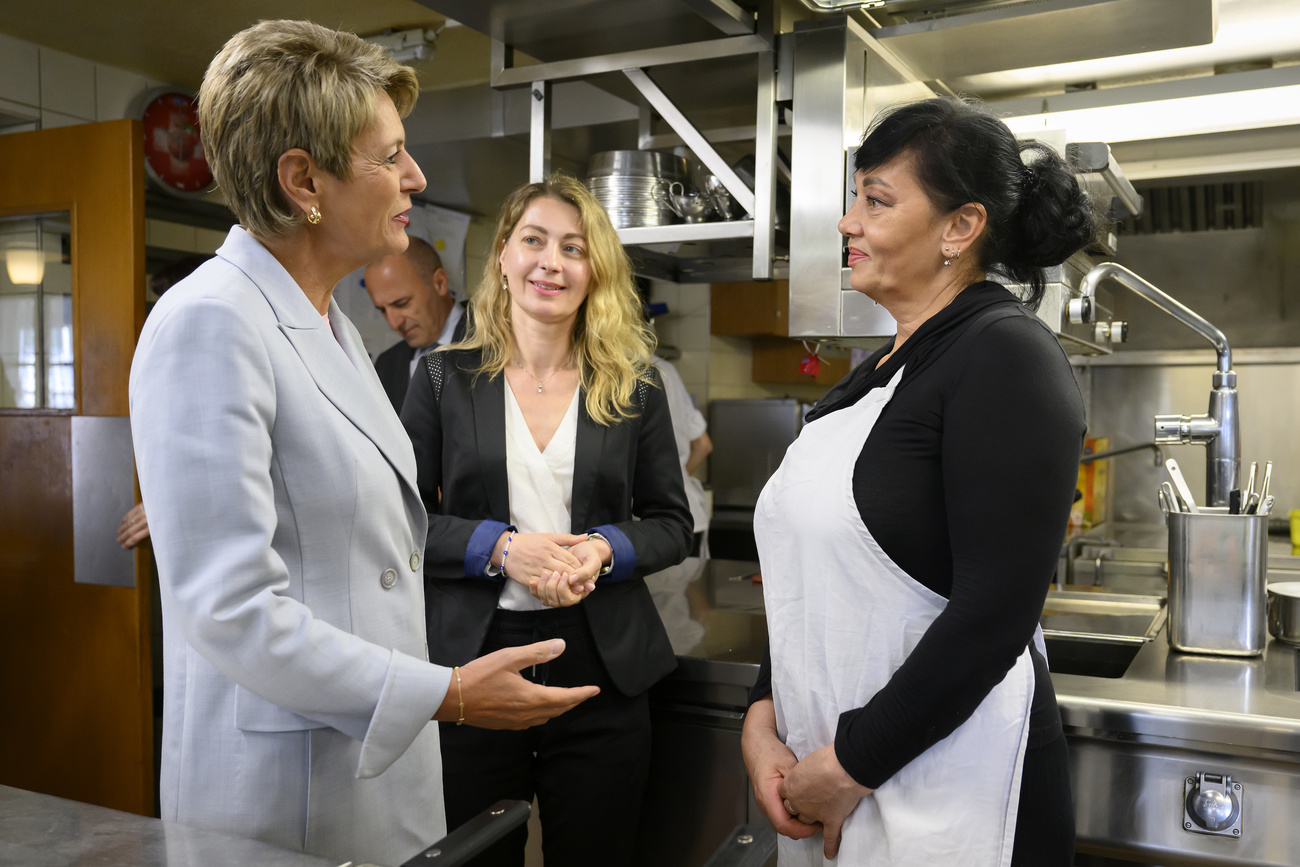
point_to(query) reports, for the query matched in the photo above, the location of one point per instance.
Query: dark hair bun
(1054, 217)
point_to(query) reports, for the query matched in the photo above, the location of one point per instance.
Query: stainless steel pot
(1284, 611)
(634, 186)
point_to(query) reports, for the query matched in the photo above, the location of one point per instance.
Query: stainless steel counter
(1249, 703)
(44, 831)
(713, 612)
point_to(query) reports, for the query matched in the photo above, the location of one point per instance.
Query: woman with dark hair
(905, 714)
(546, 459)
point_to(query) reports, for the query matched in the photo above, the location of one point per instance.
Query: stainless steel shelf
(679, 233)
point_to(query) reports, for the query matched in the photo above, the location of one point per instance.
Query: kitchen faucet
(1218, 429)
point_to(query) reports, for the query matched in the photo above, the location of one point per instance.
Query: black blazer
(457, 425)
(394, 364)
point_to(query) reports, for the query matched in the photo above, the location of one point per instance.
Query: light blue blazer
(288, 532)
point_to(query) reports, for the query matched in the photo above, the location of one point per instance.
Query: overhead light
(407, 46)
(25, 263)
(1218, 103)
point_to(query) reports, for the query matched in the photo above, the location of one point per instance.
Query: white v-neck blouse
(540, 485)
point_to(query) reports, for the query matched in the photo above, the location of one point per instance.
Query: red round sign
(173, 154)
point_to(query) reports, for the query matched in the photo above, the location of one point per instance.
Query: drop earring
(947, 257)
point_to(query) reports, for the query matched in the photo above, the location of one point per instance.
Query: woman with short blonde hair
(285, 518)
(290, 84)
(548, 465)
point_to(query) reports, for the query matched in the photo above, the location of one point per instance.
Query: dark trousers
(1045, 820)
(588, 768)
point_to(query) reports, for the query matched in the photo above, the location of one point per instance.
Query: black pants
(1045, 819)
(588, 768)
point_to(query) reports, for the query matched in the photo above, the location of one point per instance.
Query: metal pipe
(1160, 458)
(1219, 429)
(1140, 287)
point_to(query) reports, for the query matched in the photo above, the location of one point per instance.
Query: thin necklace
(539, 382)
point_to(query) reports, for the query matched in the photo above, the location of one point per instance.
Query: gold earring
(314, 216)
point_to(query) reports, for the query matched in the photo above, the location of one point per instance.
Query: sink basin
(1097, 634)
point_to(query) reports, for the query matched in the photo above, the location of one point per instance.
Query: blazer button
(388, 579)
(415, 560)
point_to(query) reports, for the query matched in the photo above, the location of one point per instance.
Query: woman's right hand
(532, 554)
(768, 760)
(496, 696)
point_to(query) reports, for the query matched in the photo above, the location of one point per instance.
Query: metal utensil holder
(1218, 568)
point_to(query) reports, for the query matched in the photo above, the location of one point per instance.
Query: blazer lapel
(339, 366)
(489, 398)
(586, 463)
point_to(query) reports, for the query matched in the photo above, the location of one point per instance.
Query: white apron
(842, 617)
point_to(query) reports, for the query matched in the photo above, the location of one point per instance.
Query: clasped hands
(559, 569)
(798, 797)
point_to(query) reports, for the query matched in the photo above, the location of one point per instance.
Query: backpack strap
(433, 363)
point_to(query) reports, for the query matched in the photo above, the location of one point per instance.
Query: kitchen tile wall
(54, 89)
(61, 89)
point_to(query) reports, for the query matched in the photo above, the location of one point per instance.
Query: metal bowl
(1284, 611)
(637, 164)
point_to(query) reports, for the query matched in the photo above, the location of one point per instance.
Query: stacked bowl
(634, 186)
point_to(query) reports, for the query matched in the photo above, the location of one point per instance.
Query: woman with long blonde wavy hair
(548, 466)
(612, 345)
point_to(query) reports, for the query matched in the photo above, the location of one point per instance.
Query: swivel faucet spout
(1140, 287)
(1219, 429)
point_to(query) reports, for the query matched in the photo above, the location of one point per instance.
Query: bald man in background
(410, 290)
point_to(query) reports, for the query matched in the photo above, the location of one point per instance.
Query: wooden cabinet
(776, 360)
(743, 309)
(762, 311)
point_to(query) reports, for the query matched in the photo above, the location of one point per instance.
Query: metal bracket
(696, 142)
(539, 129)
(505, 74)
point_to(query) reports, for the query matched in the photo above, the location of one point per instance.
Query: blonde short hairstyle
(290, 84)
(612, 343)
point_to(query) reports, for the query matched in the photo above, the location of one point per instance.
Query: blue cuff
(478, 553)
(624, 555)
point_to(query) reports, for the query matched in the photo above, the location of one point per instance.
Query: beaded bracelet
(460, 696)
(505, 552)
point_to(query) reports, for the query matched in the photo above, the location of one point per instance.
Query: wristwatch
(604, 569)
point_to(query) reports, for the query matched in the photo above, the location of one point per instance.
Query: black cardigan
(456, 421)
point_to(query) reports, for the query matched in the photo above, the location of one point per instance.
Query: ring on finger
(791, 810)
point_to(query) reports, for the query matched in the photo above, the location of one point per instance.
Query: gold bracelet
(460, 696)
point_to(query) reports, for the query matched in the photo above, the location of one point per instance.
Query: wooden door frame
(95, 173)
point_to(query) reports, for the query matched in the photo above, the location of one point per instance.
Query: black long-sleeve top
(966, 482)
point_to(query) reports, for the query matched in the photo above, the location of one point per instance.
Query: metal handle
(1180, 485)
(746, 846)
(462, 844)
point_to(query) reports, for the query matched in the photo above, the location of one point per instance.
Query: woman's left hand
(134, 528)
(559, 589)
(818, 789)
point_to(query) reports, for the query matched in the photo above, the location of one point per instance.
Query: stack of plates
(633, 186)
